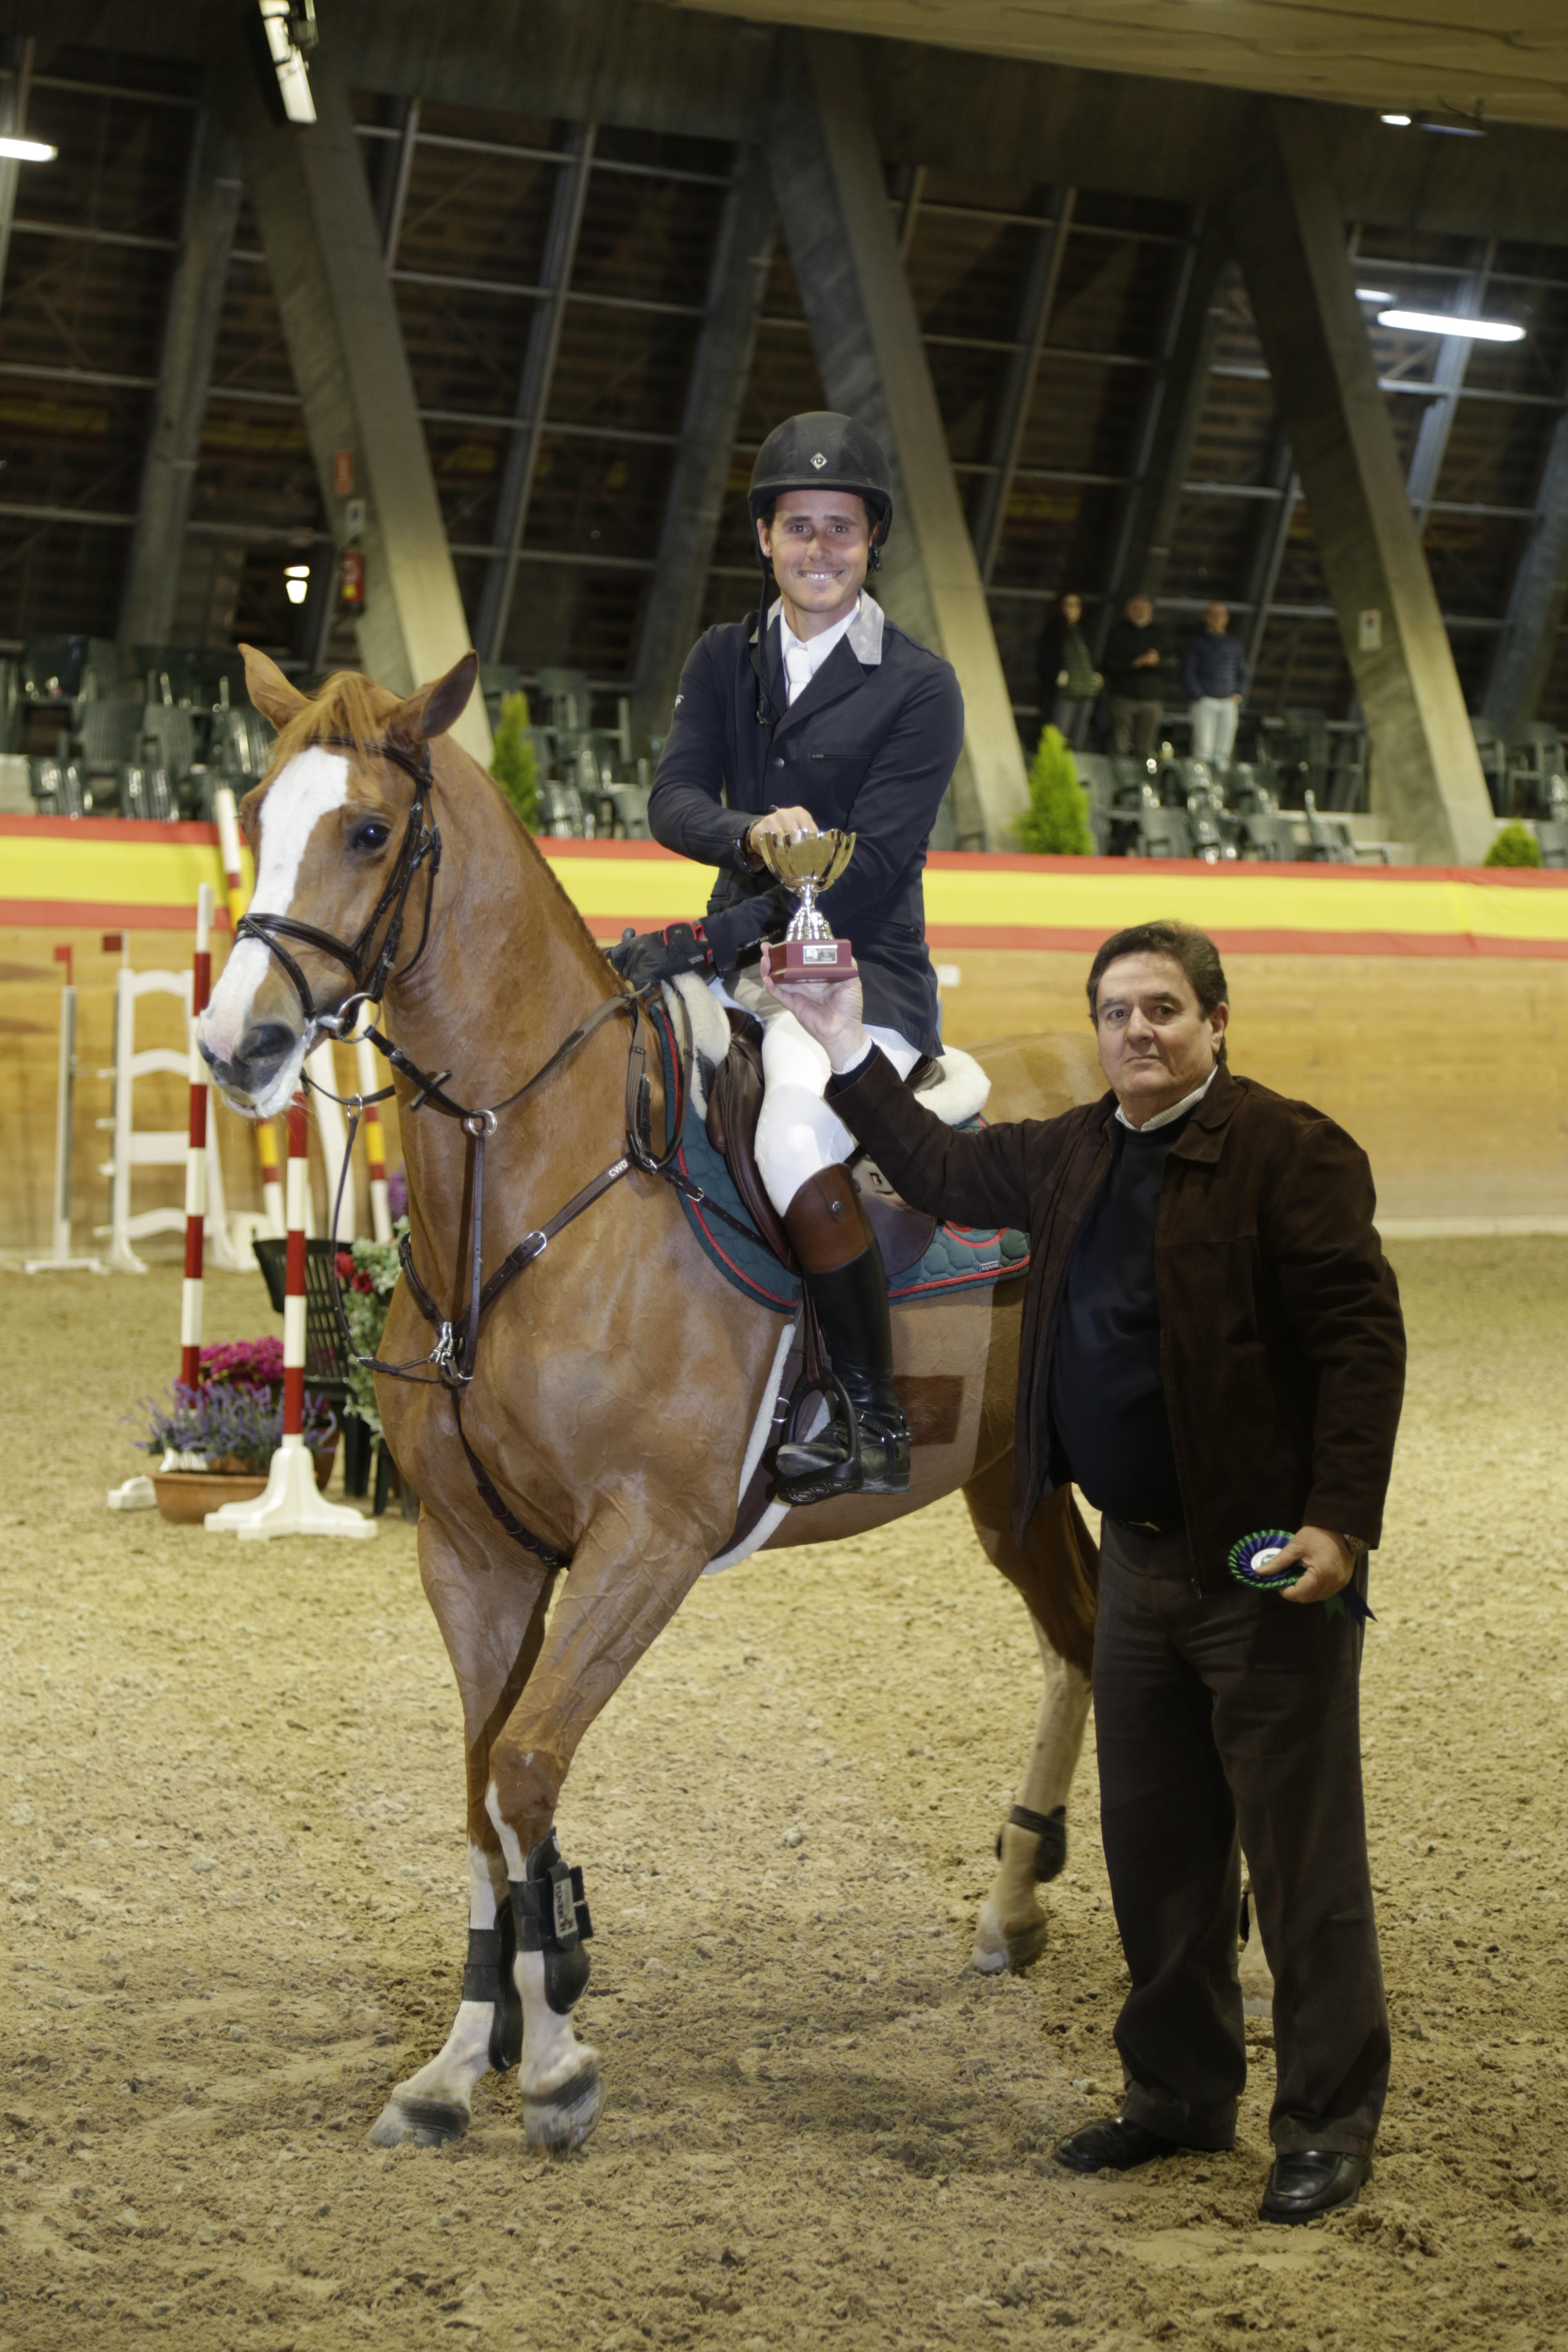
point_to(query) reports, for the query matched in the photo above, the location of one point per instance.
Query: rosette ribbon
(1251, 1563)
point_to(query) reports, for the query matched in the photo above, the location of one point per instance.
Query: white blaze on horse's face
(312, 786)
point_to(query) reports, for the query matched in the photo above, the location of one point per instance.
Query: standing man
(1132, 688)
(1213, 1351)
(814, 713)
(1214, 673)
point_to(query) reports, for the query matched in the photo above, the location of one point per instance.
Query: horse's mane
(347, 705)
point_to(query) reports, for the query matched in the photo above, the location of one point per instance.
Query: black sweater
(1106, 1389)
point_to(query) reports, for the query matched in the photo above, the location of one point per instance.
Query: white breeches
(798, 1134)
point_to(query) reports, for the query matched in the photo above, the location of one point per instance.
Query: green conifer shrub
(512, 761)
(1055, 823)
(1515, 845)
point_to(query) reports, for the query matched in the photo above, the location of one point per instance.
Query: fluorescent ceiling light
(1438, 322)
(293, 80)
(1375, 294)
(26, 151)
(1396, 122)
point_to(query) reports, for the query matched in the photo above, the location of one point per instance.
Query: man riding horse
(815, 711)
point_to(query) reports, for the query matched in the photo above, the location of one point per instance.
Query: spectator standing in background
(1069, 679)
(1132, 659)
(1213, 674)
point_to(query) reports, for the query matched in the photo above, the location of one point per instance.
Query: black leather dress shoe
(1114, 2146)
(1313, 2180)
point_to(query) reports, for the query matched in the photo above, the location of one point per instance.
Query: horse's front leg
(1055, 1571)
(490, 1609)
(629, 1577)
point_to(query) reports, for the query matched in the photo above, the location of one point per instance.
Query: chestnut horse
(617, 1382)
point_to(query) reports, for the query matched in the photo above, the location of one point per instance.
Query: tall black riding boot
(843, 1270)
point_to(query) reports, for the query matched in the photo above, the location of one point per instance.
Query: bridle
(451, 1361)
(420, 846)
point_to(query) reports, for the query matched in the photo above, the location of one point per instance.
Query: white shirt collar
(1177, 1111)
(803, 657)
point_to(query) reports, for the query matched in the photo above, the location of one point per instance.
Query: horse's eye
(372, 836)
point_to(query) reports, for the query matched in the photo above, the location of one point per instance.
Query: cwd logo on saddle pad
(565, 1909)
(819, 461)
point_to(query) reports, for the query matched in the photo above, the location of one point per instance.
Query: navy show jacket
(869, 745)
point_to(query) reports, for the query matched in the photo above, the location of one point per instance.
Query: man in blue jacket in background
(1214, 673)
(814, 712)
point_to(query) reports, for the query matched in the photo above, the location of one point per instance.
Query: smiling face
(820, 544)
(1155, 1041)
(325, 834)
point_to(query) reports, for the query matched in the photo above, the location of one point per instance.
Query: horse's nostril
(264, 1046)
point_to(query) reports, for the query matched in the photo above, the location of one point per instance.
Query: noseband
(421, 847)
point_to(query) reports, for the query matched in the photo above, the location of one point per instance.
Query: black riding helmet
(819, 451)
(825, 451)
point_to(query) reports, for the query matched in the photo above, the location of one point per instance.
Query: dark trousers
(1217, 1713)
(1134, 725)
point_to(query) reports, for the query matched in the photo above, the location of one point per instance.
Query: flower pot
(186, 1497)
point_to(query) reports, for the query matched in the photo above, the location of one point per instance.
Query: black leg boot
(843, 1270)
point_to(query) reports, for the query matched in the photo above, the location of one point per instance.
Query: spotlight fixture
(1396, 122)
(1440, 323)
(1375, 294)
(26, 151)
(297, 583)
(288, 30)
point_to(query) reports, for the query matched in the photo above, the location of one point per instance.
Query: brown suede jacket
(1281, 1333)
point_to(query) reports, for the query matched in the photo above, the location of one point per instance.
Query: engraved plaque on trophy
(807, 863)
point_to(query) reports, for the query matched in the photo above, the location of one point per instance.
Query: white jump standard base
(292, 1505)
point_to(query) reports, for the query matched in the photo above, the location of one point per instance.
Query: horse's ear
(434, 708)
(269, 690)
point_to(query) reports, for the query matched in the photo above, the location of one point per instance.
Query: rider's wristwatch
(1356, 1545)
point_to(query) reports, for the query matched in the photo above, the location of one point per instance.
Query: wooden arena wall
(1424, 1008)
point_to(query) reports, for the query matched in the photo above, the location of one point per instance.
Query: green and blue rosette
(1251, 1564)
(1251, 1559)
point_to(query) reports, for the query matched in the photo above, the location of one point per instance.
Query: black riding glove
(645, 957)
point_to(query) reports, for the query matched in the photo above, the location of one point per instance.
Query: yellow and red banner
(91, 872)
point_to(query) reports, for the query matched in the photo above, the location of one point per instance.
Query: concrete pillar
(1170, 421)
(1535, 606)
(742, 258)
(190, 339)
(324, 254)
(828, 177)
(1289, 234)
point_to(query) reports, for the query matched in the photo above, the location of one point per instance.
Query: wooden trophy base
(812, 960)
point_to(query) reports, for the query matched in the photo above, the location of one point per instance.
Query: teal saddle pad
(960, 1257)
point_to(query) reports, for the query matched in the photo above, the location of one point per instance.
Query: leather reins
(451, 1359)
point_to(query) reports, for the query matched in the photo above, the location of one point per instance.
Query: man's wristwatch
(1357, 1547)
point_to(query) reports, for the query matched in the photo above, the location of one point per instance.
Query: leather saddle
(734, 1102)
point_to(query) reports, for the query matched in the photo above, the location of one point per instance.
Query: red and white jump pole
(374, 1140)
(196, 1152)
(292, 1505)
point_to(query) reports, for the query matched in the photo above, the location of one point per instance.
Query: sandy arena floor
(235, 1872)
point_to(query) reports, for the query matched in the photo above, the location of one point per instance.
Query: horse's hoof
(564, 2118)
(1016, 1945)
(423, 2123)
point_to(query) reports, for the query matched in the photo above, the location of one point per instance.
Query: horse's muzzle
(255, 1061)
